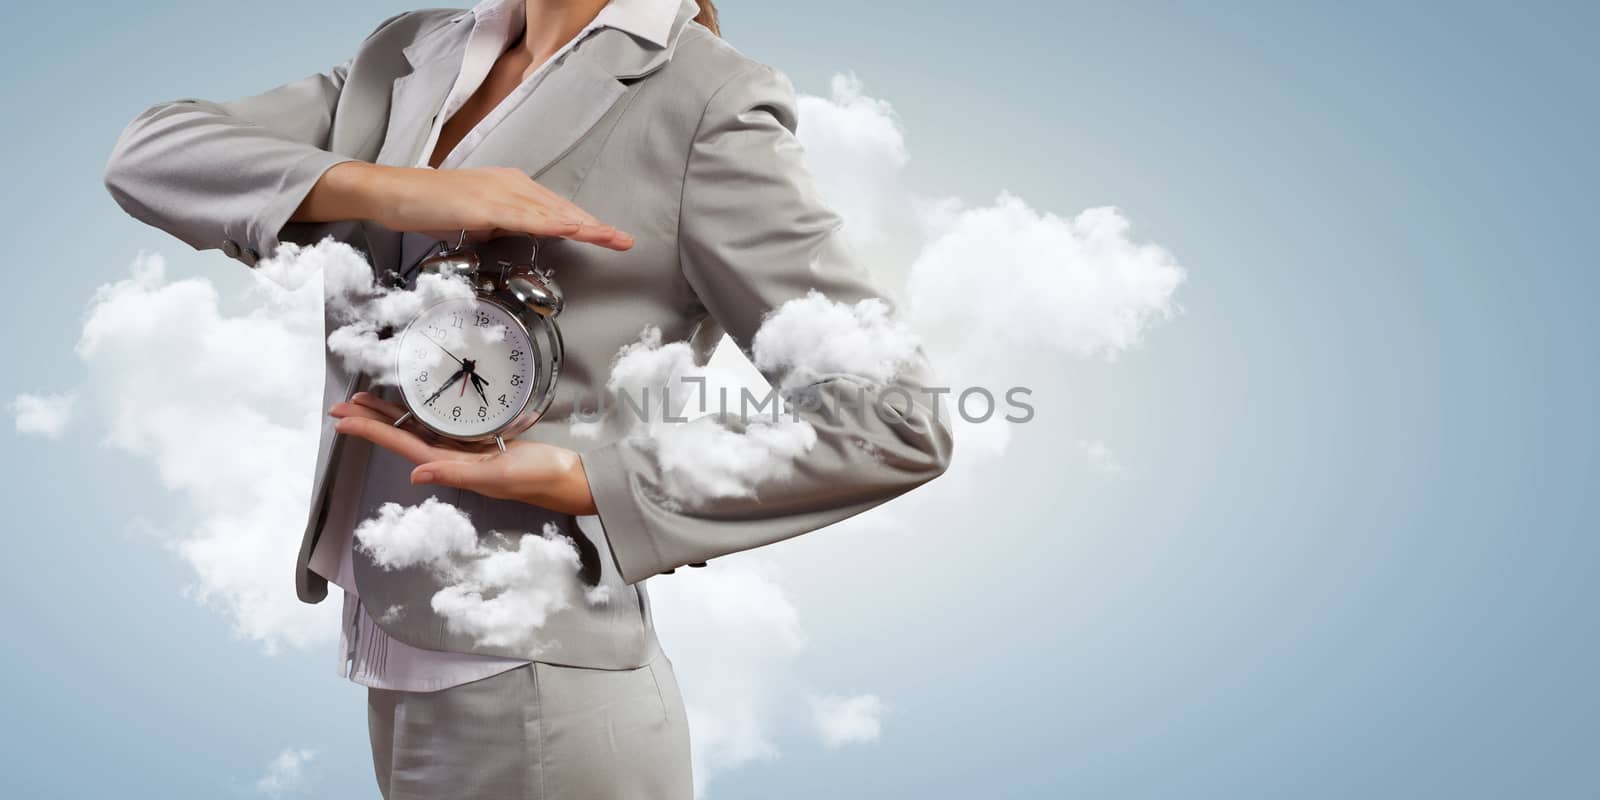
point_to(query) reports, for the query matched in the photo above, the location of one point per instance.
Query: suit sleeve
(229, 174)
(754, 233)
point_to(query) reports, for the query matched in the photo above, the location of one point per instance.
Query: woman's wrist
(565, 488)
(579, 480)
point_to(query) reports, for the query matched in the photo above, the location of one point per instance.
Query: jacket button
(230, 248)
(249, 256)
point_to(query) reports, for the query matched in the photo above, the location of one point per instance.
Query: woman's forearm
(494, 199)
(345, 191)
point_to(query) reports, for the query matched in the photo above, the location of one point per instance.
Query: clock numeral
(503, 401)
(483, 319)
(455, 319)
(422, 377)
(456, 413)
(516, 380)
(483, 412)
(516, 355)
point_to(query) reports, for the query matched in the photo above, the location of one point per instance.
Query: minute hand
(441, 347)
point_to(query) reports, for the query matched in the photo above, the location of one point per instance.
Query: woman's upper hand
(529, 472)
(441, 202)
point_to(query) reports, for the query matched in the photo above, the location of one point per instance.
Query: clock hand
(477, 383)
(447, 384)
(440, 346)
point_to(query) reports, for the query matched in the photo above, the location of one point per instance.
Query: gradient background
(1355, 551)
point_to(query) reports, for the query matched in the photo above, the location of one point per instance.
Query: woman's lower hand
(488, 201)
(531, 472)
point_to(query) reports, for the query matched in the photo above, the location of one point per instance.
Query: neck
(552, 23)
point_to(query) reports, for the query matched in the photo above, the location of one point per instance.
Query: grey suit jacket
(690, 148)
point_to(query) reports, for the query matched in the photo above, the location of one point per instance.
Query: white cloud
(652, 385)
(44, 415)
(286, 773)
(430, 533)
(839, 721)
(1101, 458)
(983, 286)
(813, 338)
(224, 407)
(499, 595)
(361, 308)
(742, 445)
(392, 615)
(340, 268)
(1023, 280)
(734, 637)
(999, 293)
(230, 424)
(701, 462)
(856, 150)
(1016, 278)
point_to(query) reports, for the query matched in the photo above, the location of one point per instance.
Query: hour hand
(478, 383)
(447, 384)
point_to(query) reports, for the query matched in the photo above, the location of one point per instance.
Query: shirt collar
(650, 20)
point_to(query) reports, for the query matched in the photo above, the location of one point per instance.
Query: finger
(558, 206)
(453, 235)
(376, 403)
(353, 409)
(601, 234)
(604, 236)
(541, 212)
(483, 476)
(403, 442)
(538, 223)
(342, 410)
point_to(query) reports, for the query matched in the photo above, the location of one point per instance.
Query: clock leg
(403, 418)
(501, 442)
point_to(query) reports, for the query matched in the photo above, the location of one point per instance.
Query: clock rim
(522, 408)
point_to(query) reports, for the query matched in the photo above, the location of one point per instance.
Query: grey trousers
(537, 732)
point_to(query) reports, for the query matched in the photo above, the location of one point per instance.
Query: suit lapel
(415, 99)
(576, 94)
(418, 96)
(547, 123)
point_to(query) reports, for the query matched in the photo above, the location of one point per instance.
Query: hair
(708, 16)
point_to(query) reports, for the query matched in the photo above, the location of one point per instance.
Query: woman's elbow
(124, 171)
(926, 446)
(940, 447)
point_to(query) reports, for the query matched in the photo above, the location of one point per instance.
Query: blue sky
(1352, 551)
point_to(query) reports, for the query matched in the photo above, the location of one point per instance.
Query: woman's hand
(489, 201)
(530, 472)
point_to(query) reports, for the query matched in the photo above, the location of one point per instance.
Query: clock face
(466, 367)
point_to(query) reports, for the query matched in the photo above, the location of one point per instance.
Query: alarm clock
(483, 367)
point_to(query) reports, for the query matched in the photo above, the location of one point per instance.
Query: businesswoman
(658, 167)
